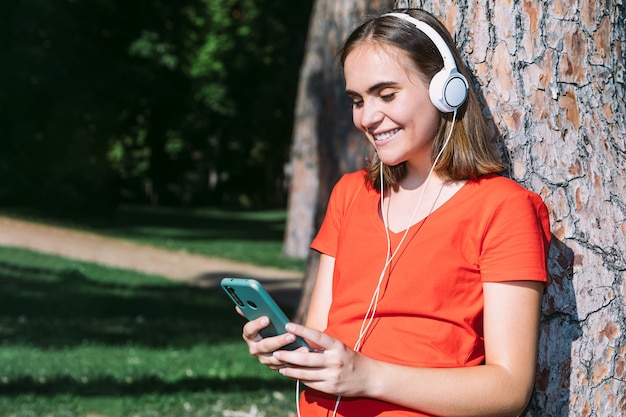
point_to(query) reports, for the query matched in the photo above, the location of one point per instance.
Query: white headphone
(448, 88)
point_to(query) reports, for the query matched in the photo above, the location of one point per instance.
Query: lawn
(84, 340)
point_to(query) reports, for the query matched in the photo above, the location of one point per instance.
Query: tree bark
(551, 76)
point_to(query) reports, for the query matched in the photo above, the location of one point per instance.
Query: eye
(388, 97)
(357, 103)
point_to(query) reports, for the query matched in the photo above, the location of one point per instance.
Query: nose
(369, 116)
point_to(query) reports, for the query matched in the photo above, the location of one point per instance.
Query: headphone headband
(442, 47)
(448, 88)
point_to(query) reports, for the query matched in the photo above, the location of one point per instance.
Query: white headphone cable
(374, 302)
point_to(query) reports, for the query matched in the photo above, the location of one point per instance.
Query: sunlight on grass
(254, 237)
(83, 340)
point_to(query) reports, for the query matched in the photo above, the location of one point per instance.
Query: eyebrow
(375, 87)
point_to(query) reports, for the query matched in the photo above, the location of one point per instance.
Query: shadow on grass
(46, 306)
(49, 305)
(201, 225)
(171, 223)
(107, 386)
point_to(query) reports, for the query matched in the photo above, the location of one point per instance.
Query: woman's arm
(500, 387)
(321, 297)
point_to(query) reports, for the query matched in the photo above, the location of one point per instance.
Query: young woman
(427, 298)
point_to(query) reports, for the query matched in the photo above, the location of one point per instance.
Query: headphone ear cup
(448, 90)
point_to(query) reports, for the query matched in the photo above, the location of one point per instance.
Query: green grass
(78, 339)
(248, 236)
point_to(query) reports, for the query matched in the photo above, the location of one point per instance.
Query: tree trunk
(325, 143)
(552, 75)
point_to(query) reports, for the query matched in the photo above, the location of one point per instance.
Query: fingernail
(290, 338)
(265, 321)
(290, 327)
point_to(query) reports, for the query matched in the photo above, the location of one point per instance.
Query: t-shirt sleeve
(326, 239)
(516, 240)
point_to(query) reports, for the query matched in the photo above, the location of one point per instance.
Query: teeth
(386, 135)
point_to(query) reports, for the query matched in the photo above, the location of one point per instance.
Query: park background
(218, 128)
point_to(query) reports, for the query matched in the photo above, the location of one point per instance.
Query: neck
(417, 172)
(416, 180)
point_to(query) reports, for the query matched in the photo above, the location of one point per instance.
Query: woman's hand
(263, 348)
(334, 369)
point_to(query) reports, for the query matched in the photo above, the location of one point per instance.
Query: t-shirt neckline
(381, 225)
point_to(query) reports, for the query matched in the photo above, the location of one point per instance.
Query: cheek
(426, 116)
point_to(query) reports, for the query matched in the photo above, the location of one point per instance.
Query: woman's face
(391, 105)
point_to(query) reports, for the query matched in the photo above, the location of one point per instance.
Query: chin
(392, 162)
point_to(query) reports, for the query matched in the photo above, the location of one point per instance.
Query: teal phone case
(250, 296)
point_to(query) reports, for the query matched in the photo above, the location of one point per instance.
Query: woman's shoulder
(349, 187)
(498, 189)
(351, 178)
(351, 182)
(499, 182)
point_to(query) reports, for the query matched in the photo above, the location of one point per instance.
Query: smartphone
(252, 299)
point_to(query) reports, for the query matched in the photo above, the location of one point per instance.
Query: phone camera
(234, 296)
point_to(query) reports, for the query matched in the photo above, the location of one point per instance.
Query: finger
(311, 377)
(271, 344)
(259, 345)
(271, 361)
(314, 336)
(252, 329)
(301, 358)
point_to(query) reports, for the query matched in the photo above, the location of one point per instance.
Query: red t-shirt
(430, 310)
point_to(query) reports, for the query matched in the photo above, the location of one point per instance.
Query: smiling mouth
(386, 135)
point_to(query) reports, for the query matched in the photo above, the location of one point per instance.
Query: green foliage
(129, 156)
(168, 102)
(148, 46)
(80, 339)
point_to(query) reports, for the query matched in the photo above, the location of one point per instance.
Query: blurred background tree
(171, 103)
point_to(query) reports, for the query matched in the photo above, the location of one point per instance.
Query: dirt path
(196, 269)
